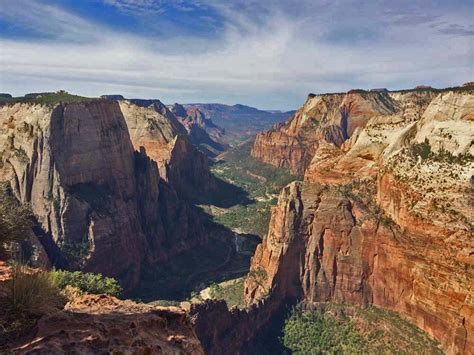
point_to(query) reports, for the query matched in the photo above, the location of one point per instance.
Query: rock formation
(155, 128)
(384, 215)
(331, 118)
(201, 130)
(102, 205)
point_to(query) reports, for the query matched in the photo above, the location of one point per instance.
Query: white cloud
(271, 61)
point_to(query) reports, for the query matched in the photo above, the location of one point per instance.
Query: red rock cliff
(384, 218)
(328, 118)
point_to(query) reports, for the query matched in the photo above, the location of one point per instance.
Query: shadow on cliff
(199, 267)
(224, 195)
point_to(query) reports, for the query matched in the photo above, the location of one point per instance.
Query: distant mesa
(423, 87)
(468, 84)
(379, 90)
(5, 96)
(112, 97)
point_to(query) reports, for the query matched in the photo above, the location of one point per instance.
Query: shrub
(15, 219)
(87, 282)
(32, 291)
(259, 276)
(422, 149)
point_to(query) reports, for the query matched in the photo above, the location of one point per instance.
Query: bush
(32, 291)
(87, 282)
(15, 219)
(422, 149)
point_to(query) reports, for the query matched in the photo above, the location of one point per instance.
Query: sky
(265, 53)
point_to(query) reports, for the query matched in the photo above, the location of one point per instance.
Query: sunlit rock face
(103, 204)
(165, 140)
(383, 217)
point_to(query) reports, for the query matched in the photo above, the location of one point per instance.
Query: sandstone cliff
(102, 205)
(155, 128)
(384, 216)
(328, 118)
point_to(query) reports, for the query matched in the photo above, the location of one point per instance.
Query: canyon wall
(384, 215)
(104, 205)
(327, 118)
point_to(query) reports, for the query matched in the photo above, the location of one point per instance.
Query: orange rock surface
(105, 324)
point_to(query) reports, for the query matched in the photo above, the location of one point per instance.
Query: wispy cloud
(265, 53)
(137, 6)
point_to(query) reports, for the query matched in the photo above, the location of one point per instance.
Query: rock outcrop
(384, 215)
(104, 324)
(102, 205)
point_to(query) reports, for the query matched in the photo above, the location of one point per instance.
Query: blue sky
(268, 54)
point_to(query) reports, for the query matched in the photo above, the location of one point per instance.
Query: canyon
(380, 213)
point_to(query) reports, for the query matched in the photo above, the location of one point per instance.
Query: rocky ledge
(105, 324)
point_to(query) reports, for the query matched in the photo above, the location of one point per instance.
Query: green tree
(15, 219)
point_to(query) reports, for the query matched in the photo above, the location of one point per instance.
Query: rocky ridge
(384, 215)
(239, 122)
(101, 324)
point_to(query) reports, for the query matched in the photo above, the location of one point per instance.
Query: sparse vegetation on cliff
(351, 330)
(50, 98)
(30, 293)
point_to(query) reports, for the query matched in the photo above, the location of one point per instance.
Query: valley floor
(238, 217)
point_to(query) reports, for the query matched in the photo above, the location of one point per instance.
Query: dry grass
(27, 296)
(32, 291)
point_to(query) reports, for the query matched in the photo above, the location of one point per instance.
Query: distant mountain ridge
(240, 121)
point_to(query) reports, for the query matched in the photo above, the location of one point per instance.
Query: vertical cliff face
(164, 139)
(103, 206)
(383, 218)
